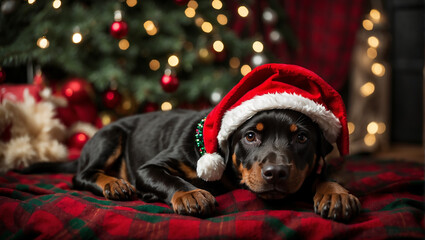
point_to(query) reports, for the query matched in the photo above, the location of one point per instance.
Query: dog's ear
(227, 151)
(324, 146)
(323, 149)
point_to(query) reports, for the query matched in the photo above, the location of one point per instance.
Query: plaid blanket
(46, 207)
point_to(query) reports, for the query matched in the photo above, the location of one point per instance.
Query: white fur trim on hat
(235, 117)
(210, 167)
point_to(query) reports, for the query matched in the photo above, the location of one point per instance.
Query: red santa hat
(272, 86)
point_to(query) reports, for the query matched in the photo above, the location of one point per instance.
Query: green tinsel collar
(199, 137)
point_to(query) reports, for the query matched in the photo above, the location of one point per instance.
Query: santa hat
(272, 86)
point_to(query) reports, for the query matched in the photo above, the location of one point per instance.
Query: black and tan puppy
(154, 156)
(269, 134)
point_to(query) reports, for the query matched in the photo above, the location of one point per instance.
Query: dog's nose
(274, 173)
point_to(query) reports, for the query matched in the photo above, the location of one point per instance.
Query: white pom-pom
(210, 167)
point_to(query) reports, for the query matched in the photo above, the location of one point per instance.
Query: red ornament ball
(169, 83)
(119, 29)
(76, 90)
(2, 75)
(78, 140)
(111, 98)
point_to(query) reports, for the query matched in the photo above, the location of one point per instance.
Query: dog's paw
(339, 207)
(334, 202)
(194, 203)
(119, 189)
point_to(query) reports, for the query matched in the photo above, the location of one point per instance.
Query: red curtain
(324, 34)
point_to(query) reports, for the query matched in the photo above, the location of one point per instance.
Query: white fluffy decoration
(235, 117)
(36, 135)
(210, 167)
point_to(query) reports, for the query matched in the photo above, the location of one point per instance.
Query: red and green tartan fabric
(46, 207)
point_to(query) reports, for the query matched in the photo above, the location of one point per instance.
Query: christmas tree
(180, 52)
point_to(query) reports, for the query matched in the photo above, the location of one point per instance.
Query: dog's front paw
(119, 189)
(195, 203)
(334, 202)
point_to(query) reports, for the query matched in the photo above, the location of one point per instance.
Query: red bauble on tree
(169, 83)
(76, 90)
(78, 140)
(119, 29)
(111, 98)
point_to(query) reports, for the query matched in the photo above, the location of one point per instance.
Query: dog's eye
(250, 137)
(302, 138)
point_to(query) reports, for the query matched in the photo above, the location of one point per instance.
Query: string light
(258, 59)
(56, 4)
(381, 128)
(105, 118)
(367, 89)
(243, 11)
(154, 64)
(275, 36)
(351, 127)
(372, 128)
(375, 15)
(131, 3)
(222, 19)
(77, 37)
(372, 53)
(203, 53)
(257, 46)
(192, 4)
(168, 72)
(369, 140)
(166, 106)
(373, 41)
(173, 60)
(190, 12)
(126, 104)
(378, 69)
(123, 44)
(245, 69)
(234, 62)
(206, 27)
(199, 21)
(217, 4)
(43, 42)
(150, 28)
(148, 25)
(118, 15)
(31, 1)
(367, 24)
(218, 46)
(216, 97)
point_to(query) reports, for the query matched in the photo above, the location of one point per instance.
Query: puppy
(154, 156)
(269, 134)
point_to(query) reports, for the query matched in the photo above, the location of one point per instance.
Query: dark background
(407, 60)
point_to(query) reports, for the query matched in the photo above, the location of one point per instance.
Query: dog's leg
(334, 201)
(99, 168)
(184, 198)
